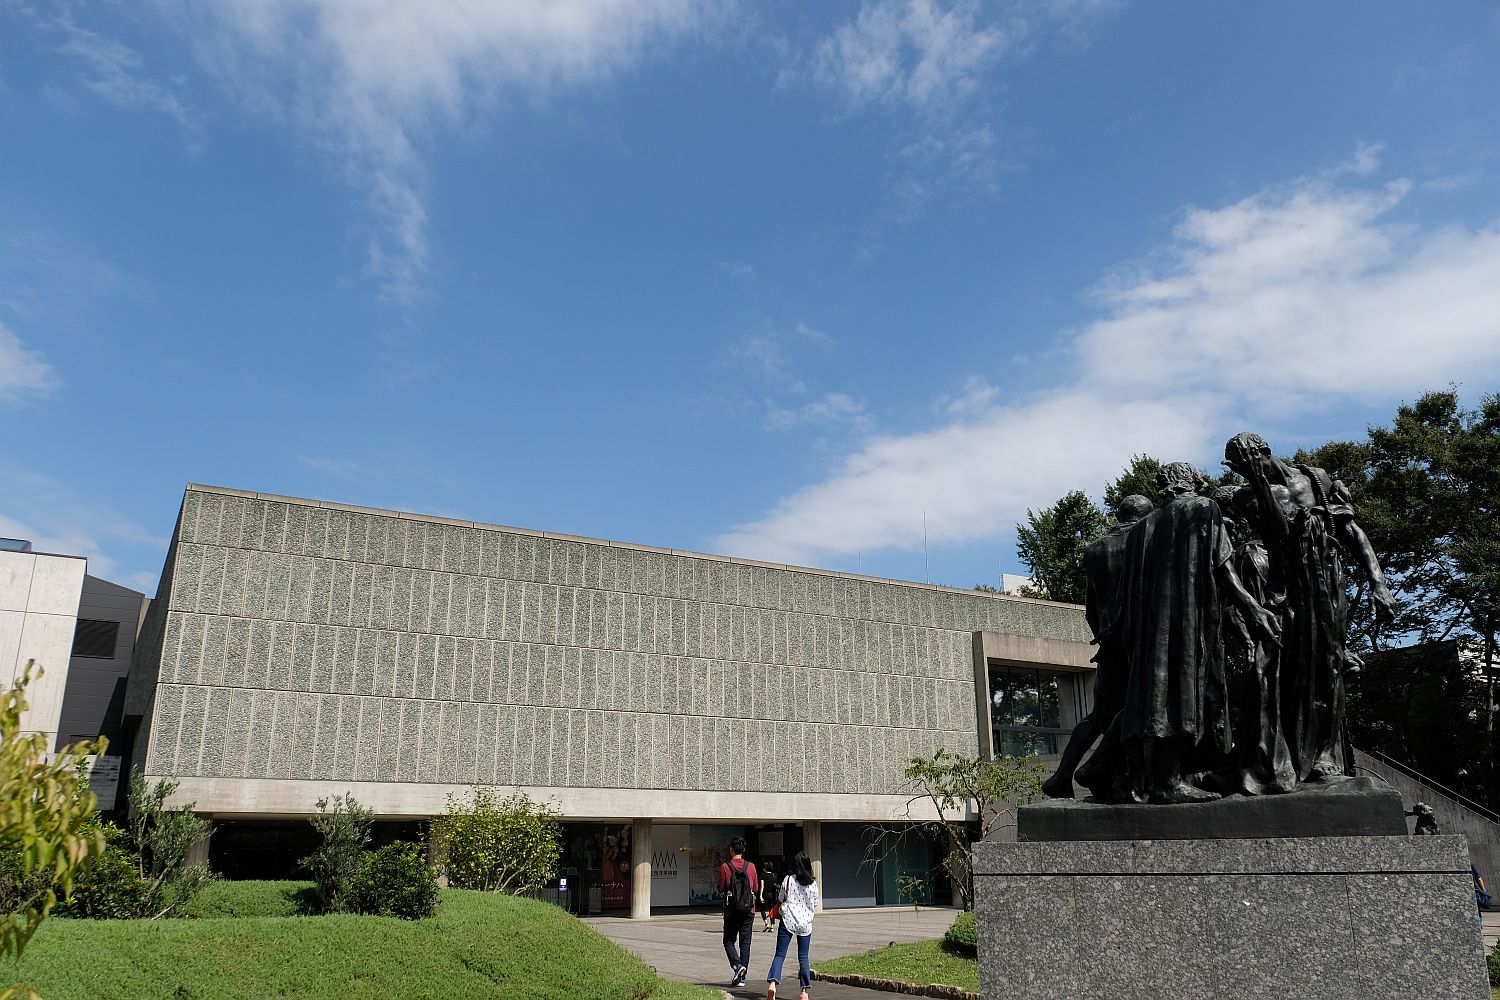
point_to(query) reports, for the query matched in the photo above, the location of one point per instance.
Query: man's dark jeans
(741, 924)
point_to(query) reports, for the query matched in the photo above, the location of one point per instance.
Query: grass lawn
(923, 962)
(479, 945)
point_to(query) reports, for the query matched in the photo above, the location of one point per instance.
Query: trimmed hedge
(963, 937)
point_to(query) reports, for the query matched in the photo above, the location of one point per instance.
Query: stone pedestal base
(1318, 917)
(1346, 807)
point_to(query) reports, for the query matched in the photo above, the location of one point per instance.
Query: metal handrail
(1416, 775)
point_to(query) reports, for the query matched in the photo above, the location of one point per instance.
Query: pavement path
(689, 946)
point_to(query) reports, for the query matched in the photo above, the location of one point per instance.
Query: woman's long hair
(802, 868)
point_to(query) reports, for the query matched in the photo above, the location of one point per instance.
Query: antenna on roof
(927, 567)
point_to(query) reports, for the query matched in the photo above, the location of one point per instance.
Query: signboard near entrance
(670, 866)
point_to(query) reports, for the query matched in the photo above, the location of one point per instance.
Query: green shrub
(20, 889)
(498, 845)
(345, 827)
(396, 882)
(1492, 963)
(963, 937)
(109, 887)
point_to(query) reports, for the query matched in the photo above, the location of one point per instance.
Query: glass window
(1026, 710)
(1024, 696)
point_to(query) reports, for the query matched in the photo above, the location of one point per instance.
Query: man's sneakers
(740, 975)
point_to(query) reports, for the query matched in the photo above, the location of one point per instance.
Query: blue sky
(764, 279)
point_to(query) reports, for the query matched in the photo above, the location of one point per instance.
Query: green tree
(46, 822)
(1051, 544)
(498, 845)
(162, 839)
(953, 784)
(335, 864)
(1138, 479)
(1427, 492)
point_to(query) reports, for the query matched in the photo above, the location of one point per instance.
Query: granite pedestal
(1243, 919)
(1347, 807)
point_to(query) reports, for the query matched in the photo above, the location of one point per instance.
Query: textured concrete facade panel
(338, 643)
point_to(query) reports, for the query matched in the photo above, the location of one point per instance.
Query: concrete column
(434, 851)
(640, 869)
(812, 843)
(982, 699)
(198, 853)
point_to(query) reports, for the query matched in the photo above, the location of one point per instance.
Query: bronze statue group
(1220, 619)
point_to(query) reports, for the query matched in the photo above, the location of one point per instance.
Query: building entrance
(774, 845)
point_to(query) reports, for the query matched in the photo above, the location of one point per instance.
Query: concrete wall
(304, 644)
(1482, 833)
(38, 606)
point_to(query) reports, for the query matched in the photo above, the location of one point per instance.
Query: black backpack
(740, 898)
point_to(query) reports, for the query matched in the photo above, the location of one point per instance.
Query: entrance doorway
(772, 846)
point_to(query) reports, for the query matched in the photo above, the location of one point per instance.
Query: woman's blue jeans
(804, 951)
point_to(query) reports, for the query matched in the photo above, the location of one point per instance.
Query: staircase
(1454, 813)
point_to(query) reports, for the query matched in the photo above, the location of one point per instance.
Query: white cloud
(764, 357)
(1365, 160)
(48, 280)
(112, 70)
(915, 52)
(935, 68)
(1296, 298)
(24, 374)
(114, 74)
(1296, 295)
(369, 80)
(738, 269)
(975, 396)
(56, 518)
(972, 477)
(830, 409)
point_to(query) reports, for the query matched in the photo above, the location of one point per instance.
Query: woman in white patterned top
(798, 894)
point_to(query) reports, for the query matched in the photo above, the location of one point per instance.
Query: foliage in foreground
(923, 963)
(499, 845)
(479, 944)
(46, 831)
(1492, 964)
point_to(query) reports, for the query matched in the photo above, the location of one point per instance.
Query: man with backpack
(740, 886)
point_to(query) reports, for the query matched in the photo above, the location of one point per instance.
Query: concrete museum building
(663, 701)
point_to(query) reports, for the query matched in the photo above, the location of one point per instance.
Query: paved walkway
(689, 947)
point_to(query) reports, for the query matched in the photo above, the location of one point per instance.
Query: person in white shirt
(798, 894)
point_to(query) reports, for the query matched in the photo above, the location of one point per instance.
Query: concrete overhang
(267, 798)
(1047, 654)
